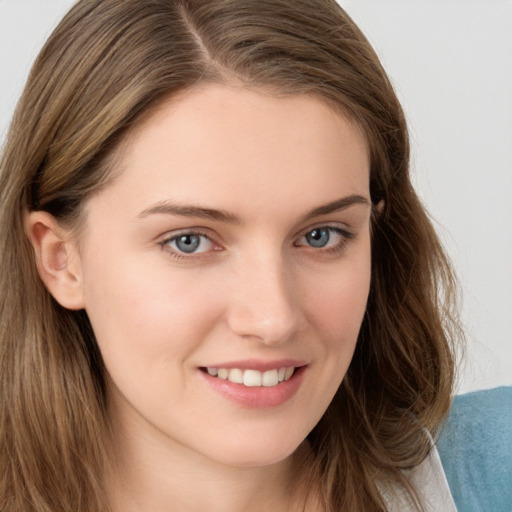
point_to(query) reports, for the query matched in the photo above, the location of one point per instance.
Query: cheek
(335, 313)
(338, 306)
(147, 313)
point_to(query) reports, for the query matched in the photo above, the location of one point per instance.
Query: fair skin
(234, 241)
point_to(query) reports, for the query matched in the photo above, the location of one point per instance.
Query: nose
(264, 303)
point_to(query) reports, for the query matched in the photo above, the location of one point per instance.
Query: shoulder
(475, 446)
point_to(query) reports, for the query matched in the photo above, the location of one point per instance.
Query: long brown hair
(106, 65)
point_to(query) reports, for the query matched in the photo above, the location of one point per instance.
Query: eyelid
(342, 230)
(346, 235)
(164, 240)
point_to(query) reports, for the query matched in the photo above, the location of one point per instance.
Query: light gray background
(451, 63)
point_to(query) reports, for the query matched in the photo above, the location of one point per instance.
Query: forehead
(224, 144)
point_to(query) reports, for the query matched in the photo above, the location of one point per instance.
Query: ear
(379, 207)
(57, 258)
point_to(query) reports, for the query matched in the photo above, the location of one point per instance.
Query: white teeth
(270, 378)
(252, 378)
(236, 376)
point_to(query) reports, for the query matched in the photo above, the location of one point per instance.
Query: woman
(219, 287)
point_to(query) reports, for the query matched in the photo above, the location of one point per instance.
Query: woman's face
(232, 249)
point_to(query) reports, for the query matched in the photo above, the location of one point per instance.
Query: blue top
(475, 447)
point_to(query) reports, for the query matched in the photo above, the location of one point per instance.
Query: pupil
(318, 237)
(187, 243)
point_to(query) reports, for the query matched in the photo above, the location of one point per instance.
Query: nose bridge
(263, 303)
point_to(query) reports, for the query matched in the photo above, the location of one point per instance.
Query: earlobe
(57, 258)
(378, 209)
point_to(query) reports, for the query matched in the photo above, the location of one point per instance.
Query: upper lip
(258, 364)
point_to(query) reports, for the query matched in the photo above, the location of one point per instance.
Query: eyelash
(346, 238)
(164, 244)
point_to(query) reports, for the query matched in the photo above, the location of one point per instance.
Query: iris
(318, 237)
(188, 243)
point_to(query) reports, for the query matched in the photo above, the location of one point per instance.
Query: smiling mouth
(252, 378)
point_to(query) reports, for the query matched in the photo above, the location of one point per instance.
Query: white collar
(430, 482)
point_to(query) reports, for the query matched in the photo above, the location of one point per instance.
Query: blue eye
(318, 237)
(329, 238)
(189, 243)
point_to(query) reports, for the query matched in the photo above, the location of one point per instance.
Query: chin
(257, 453)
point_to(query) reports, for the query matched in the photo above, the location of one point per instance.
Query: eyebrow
(339, 204)
(165, 207)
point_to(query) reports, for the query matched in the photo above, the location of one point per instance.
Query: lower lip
(257, 397)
